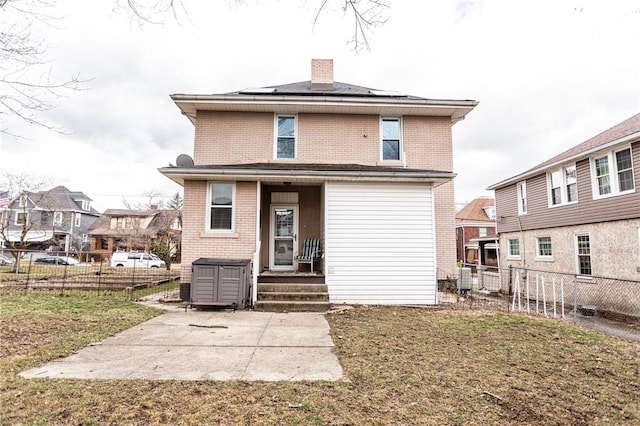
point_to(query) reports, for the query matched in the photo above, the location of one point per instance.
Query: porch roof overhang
(304, 173)
(32, 236)
(189, 104)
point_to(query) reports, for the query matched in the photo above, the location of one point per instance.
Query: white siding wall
(379, 243)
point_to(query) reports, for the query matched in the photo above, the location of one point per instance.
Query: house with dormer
(577, 212)
(368, 173)
(56, 219)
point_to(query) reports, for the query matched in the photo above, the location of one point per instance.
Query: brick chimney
(322, 74)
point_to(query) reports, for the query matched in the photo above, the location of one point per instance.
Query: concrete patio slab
(208, 345)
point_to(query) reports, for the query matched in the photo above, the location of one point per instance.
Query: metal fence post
(575, 298)
(510, 280)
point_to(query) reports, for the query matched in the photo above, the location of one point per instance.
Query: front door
(284, 234)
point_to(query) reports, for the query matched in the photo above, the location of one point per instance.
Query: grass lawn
(402, 366)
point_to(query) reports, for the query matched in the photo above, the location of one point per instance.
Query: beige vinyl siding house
(367, 172)
(582, 208)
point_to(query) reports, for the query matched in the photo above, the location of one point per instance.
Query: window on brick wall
(544, 249)
(583, 254)
(221, 201)
(391, 144)
(514, 247)
(286, 137)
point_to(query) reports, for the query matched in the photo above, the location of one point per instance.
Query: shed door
(284, 233)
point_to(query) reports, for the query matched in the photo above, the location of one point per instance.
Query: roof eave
(180, 175)
(190, 104)
(581, 155)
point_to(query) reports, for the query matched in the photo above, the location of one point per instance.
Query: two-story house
(367, 172)
(131, 229)
(476, 227)
(56, 218)
(579, 211)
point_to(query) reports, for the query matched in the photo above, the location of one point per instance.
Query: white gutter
(179, 174)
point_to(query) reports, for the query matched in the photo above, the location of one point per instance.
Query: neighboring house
(475, 224)
(368, 172)
(56, 219)
(578, 212)
(124, 229)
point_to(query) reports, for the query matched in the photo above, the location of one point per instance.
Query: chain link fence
(45, 271)
(611, 305)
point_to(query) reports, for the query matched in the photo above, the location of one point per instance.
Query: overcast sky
(548, 74)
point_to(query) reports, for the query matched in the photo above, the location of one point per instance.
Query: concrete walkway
(208, 345)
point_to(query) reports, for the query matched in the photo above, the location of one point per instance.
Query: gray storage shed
(220, 282)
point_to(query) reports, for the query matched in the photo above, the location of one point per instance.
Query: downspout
(256, 254)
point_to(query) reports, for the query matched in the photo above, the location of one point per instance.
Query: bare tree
(153, 201)
(18, 221)
(176, 202)
(366, 14)
(27, 88)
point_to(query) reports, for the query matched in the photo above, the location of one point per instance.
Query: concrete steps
(292, 297)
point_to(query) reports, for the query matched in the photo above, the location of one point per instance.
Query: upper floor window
(119, 221)
(21, 218)
(563, 186)
(57, 218)
(613, 173)
(482, 232)
(286, 139)
(221, 201)
(85, 205)
(522, 197)
(544, 247)
(391, 141)
(78, 220)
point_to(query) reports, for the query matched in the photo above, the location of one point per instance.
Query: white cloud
(547, 74)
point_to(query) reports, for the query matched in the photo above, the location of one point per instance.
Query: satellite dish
(184, 160)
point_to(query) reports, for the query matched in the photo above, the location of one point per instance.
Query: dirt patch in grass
(402, 366)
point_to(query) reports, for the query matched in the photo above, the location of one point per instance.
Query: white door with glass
(284, 233)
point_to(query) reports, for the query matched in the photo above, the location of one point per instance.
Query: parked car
(4, 260)
(58, 260)
(134, 259)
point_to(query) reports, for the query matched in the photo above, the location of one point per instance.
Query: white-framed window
(612, 173)
(513, 247)
(482, 232)
(78, 220)
(522, 197)
(583, 254)
(21, 218)
(543, 247)
(286, 130)
(391, 141)
(119, 222)
(22, 201)
(221, 201)
(563, 186)
(57, 218)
